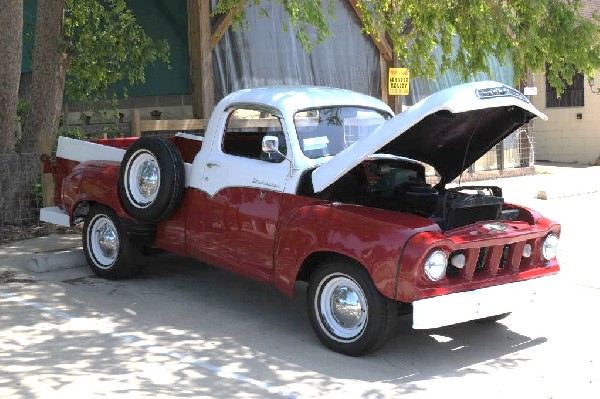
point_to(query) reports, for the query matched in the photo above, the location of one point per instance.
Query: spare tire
(152, 179)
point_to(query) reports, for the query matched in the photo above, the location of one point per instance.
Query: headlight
(435, 265)
(550, 247)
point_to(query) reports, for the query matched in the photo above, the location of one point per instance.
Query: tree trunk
(11, 42)
(50, 62)
(48, 80)
(11, 167)
(201, 76)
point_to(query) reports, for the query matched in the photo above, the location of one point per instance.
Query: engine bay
(400, 184)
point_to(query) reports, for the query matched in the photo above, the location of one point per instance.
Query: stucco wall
(564, 138)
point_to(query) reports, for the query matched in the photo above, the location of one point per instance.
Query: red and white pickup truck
(325, 186)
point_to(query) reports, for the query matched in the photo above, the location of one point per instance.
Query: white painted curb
(56, 261)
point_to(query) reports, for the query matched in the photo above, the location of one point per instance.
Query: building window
(571, 97)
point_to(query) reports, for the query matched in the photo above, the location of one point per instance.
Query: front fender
(94, 181)
(372, 237)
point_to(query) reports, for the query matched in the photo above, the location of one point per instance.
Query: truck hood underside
(448, 130)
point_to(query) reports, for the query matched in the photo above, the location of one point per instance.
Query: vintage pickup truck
(328, 187)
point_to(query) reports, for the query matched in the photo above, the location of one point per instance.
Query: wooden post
(136, 130)
(385, 56)
(398, 100)
(383, 67)
(201, 76)
(47, 178)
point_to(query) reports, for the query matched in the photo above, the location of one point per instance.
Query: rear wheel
(346, 311)
(107, 248)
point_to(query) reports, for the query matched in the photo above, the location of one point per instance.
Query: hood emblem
(502, 91)
(495, 227)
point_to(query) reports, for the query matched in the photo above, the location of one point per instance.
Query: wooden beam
(152, 125)
(254, 123)
(380, 41)
(172, 124)
(201, 76)
(223, 24)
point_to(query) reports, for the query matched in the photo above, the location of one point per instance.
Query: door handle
(211, 164)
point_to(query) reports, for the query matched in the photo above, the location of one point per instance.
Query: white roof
(290, 99)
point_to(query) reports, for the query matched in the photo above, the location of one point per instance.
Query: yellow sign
(398, 81)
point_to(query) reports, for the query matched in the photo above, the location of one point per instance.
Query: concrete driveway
(186, 329)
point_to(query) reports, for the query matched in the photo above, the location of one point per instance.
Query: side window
(244, 133)
(572, 96)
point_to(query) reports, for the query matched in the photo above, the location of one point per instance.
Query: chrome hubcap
(107, 240)
(143, 179)
(103, 240)
(346, 307)
(342, 307)
(148, 179)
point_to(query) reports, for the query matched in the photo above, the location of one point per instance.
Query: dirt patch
(7, 277)
(88, 280)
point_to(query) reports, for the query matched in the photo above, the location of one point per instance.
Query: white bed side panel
(82, 151)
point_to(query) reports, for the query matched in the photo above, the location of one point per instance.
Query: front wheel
(107, 247)
(346, 311)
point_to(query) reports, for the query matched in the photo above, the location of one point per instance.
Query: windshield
(327, 131)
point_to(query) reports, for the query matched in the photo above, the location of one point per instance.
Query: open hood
(448, 130)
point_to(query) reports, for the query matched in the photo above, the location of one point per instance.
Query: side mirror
(270, 145)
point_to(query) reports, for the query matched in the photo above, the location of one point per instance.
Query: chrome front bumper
(445, 310)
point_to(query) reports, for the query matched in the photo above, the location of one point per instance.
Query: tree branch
(223, 24)
(380, 41)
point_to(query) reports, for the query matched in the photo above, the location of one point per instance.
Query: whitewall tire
(107, 247)
(346, 310)
(152, 179)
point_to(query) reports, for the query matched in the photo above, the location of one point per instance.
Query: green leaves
(105, 45)
(576, 44)
(527, 34)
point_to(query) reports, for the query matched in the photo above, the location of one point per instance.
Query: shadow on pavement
(233, 322)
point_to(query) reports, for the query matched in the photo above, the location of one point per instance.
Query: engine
(400, 185)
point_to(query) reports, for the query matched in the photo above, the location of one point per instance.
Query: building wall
(261, 55)
(564, 137)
